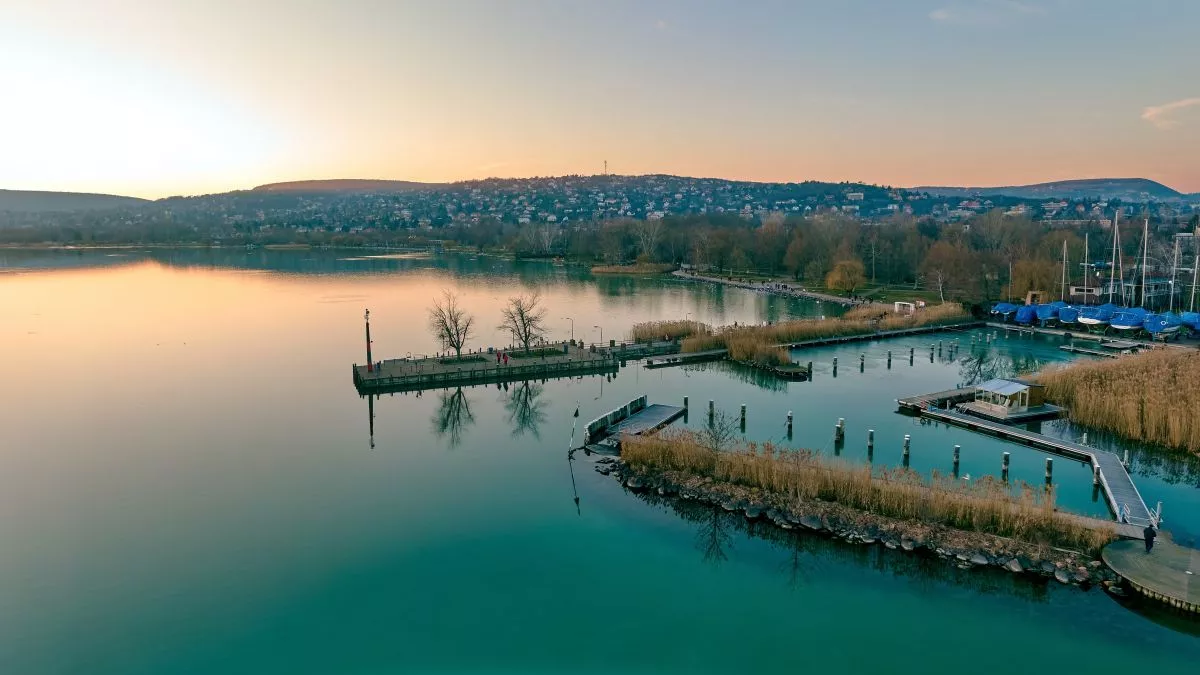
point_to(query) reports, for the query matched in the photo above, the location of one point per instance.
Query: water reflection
(807, 555)
(453, 416)
(986, 364)
(524, 407)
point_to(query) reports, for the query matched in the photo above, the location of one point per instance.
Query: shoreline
(963, 549)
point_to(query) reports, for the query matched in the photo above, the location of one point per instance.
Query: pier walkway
(1169, 573)
(1122, 495)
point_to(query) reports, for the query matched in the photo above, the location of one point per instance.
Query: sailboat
(1004, 310)
(1163, 326)
(1128, 321)
(1068, 316)
(1026, 314)
(1097, 318)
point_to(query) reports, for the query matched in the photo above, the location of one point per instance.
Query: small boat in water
(1097, 318)
(1004, 310)
(1128, 321)
(1026, 314)
(1068, 316)
(1162, 326)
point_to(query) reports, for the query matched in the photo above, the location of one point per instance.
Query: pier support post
(1125, 461)
(1096, 475)
(685, 403)
(711, 410)
(907, 441)
(957, 448)
(931, 353)
(1004, 468)
(835, 366)
(1049, 471)
(911, 352)
(810, 371)
(743, 417)
(889, 359)
(1083, 441)
(789, 425)
(862, 362)
(839, 431)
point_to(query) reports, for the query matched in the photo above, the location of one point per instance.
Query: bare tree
(525, 318)
(647, 234)
(718, 435)
(450, 323)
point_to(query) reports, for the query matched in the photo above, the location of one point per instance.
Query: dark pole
(370, 363)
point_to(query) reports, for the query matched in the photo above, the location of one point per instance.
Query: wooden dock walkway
(635, 418)
(1169, 574)
(480, 368)
(647, 420)
(1120, 493)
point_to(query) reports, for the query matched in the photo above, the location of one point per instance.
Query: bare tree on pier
(450, 323)
(525, 318)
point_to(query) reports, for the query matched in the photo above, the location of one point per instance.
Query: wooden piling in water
(839, 431)
(1004, 468)
(685, 402)
(743, 417)
(907, 441)
(1049, 471)
(711, 409)
(1096, 475)
(789, 424)
(889, 359)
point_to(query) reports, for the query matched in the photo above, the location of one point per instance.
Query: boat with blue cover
(1047, 314)
(1191, 320)
(1004, 310)
(1026, 314)
(1128, 321)
(1163, 326)
(1068, 316)
(1097, 318)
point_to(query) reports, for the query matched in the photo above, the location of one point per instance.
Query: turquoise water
(190, 486)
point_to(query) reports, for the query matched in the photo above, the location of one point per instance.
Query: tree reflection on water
(453, 416)
(524, 407)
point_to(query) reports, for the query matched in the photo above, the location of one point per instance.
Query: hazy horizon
(141, 99)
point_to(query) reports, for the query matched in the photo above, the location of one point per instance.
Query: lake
(191, 484)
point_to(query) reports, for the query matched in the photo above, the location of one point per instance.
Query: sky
(163, 97)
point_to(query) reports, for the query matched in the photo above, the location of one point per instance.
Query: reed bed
(1151, 397)
(648, 331)
(756, 339)
(984, 505)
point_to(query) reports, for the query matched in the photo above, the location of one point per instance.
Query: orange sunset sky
(154, 98)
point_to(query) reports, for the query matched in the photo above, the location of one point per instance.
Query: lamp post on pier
(601, 333)
(572, 320)
(370, 363)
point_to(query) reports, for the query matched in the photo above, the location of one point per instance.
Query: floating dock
(394, 375)
(636, 418)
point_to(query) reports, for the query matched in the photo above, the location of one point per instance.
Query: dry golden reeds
(648, 331)
(636, 268)
(981, 506)
(1153, 396)
(753, 338)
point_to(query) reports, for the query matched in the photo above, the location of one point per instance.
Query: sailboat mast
(1145, 254)
(1087, 259)
(1195, 271)
(1112, 270)
(1063, 292)
(1174, 269)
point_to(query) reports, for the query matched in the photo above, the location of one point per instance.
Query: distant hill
(346, 185)
(34, 201)
(1125, 189)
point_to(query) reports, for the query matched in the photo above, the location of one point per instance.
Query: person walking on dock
(1149, 534)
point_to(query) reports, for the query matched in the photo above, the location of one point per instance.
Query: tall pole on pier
(1112, 271)
(1145, 255)
(370, 363)
(1195, 271)
(1087, 260)
(1063, 292)
(1174, 271)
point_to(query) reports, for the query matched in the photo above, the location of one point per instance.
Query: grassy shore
(636, 268)
(751, 343)
(985, 506)
(1152, 397)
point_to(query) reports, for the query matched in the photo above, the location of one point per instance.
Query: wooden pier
(880, 334)
(1120, 493)
(481, 368)
(636, 418)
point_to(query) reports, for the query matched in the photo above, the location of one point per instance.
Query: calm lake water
(191, 485)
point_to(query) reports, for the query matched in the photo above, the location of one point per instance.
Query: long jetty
(1120, 493)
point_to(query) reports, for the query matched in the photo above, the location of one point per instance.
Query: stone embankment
(957, 547)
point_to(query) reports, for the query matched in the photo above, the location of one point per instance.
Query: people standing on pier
(1149, 534)
(497, 357)
(506, 358)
